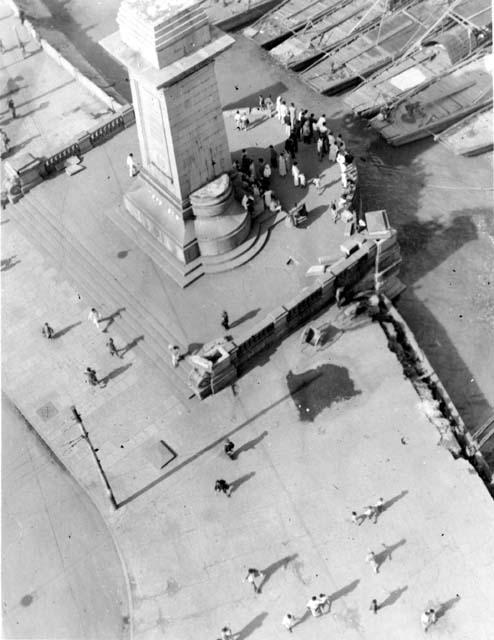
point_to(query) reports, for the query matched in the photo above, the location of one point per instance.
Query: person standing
(269, 105)
(245, 163)
(91, 376)
(112, 348)
(287, 123)
(244, 121)
(283, 111)
(225, 322)
(314, 605)
(237, 118)
(278, 107)
(282, 165)
(222, 486)
(427, 619)
(289, 621)
(374, 607)
(320, 147)
(340, 142)
(175, 354)
(273, 157)
(292, 112)
(371, 559)
(226, 633)
(11, 106)
(295, 174)
(262, 103)
(252, 575)
(378, 507)
(95, 317)
(5, 141)
(47, 331)
(356, 519)
(228, 448)
(131, 165)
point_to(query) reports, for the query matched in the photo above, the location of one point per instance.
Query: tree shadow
(236, 484)
(244, 318)
(130, 345)
(313, 215)
(389, 503)
(393, 597)
(110, 319)
(273, 568)
(249, 628)
(65, 330)
(114, 374)
(444, 607)
(9, 263)
(251, 444)
(387, 552)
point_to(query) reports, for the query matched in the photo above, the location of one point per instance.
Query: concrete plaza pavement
(52, 107)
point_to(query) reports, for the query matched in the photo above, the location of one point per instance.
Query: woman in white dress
(282, 165)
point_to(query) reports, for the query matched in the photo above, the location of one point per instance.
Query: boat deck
(471, 135)
(439, 104)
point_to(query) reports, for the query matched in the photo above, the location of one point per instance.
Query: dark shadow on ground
(305, 616)
(317, 389)
(9, 263)
(110, 319)
(312, 216)
(245, 317)
(389, 503)
(249, 628)
(62, 31)
(444, 607)
(387, 552)
(20, 145)
(130, 345)
(252, 100)
(251, 444)
(62, 332)
(115, 373)
(344, 591)
(194, 347)
(123, 254)
(236, 484)
(274, 567)
(393, 597)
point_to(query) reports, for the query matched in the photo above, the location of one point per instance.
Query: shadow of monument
(252, 100)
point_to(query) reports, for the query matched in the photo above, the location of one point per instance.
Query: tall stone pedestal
(169, 48)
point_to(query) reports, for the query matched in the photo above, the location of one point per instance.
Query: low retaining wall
(353, 273)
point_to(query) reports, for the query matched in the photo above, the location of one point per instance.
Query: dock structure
(471, 135)
(280, 23)
(318, 37)
(439, 103)
(374, 48)
(435, 56)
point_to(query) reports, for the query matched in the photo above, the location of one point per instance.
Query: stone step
(155, 250)
(93, 279)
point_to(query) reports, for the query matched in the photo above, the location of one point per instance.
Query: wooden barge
(374, 48)
(472, 135)
(439, 103)
(317, 38)
(280, 23)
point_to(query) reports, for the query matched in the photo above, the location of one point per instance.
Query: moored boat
(291, 16)
(439, 103)
(472, 135)
(374, 48)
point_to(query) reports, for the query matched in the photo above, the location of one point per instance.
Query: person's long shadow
(305, 616)
(245, 317)
(344, 591)
(115, 373)
(65, 330)
(251, 444)
(393, 597)
(249, 628)
(444, 607)
(236, 484)
(9, 263)
(389, 503)
(273, 568)
(130, 345)
(110, 319)
(387, 552)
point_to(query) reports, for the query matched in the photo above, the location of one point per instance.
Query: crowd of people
(253, 178)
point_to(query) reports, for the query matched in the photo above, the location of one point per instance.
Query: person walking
(378, 507)
(374, 607)
(175, 354)
(131, 165)
(47, 331)
(369, 512)
(371, 559)
(91, 376)
(226, 633)
(282, 165)
(252, 575)
(356, 518)
(225, 323)
(222, 486)
(289, 621)
(95, 317)
(11, 106)
(427, 619)
(317, 183)
(112, 348)
(228, 448)
(4, 138)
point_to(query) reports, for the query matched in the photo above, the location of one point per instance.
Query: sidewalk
(52, 108)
